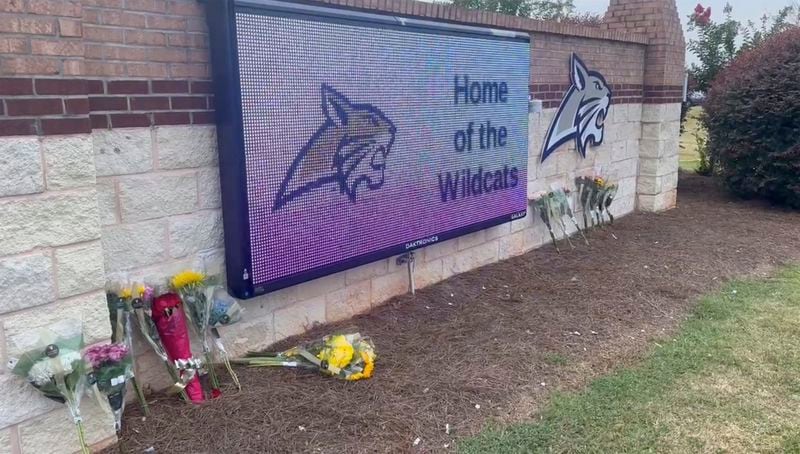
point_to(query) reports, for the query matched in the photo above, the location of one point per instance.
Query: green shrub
(704, 166)
(753, 121)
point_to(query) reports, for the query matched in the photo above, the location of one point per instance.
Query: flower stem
(211, 372)
(82, 438)
(140, 396)
(174, 376)
(232, 373)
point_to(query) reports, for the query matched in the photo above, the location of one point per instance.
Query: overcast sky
(743, 10)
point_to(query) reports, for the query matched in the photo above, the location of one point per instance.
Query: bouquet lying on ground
(55, 367)
(111, 368)
(208, 306)
(346, 356)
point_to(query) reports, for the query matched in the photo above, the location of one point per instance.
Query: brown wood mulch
(487, 347)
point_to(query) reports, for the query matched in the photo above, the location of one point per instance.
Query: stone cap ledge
(476, 17)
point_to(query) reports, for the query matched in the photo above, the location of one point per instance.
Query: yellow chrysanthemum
(138, 291)
(368, 357)
(338, 352)
(369, 363)
(599, 182)
(126, 292)
(188, 277)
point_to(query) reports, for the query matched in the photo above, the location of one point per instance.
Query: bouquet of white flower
(55, 367)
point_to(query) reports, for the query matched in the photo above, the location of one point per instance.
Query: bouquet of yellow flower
(208, 306)
(595, 194)
(120, 300)
(346, 356)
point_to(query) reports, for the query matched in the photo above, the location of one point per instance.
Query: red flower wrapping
(171, 324)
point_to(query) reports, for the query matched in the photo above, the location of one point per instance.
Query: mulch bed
(487, 347)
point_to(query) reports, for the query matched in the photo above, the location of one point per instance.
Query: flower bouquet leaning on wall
(182, 372)
(586, 188)
(170, 321)
(608, 195)
(208, 306)
(562, 199)
(120, 311)
(557, 215)
(111, 366)
(346, 356)
(541, 201)
(55, 367)
(596, 195)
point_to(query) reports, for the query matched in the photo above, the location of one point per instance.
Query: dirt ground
(489, 346)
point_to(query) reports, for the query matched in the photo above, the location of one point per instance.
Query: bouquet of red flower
(142, 308)
(111, 368)
(167, 314)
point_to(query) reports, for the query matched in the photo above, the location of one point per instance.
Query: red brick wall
(164, 39)
(665, 53)
(621, 63)
(137, 63)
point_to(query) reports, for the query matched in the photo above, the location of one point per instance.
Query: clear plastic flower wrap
(111, 367)
(208, 306)
(54, 366)
(347, 356)
(120, 299)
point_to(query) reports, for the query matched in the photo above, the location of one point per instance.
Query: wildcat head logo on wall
(582, 113)
(350, 148)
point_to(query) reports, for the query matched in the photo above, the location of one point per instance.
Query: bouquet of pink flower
(111, 368)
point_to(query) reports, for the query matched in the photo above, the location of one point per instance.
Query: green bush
(704, 166)
(753, 121)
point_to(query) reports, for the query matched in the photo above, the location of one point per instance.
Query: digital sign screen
(348, 137)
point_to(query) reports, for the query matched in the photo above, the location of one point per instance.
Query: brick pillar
(663, 89)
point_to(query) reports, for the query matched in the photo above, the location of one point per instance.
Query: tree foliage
(718, 43)
(557, 10)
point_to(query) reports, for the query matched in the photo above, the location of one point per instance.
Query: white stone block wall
(659, 148)
(144, 203)
(160, 213)
(51, 268)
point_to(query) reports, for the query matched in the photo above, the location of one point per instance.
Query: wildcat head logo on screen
(582, 113)
(348, 151)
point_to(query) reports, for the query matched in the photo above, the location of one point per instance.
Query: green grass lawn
(729, 381)
(688, 143)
